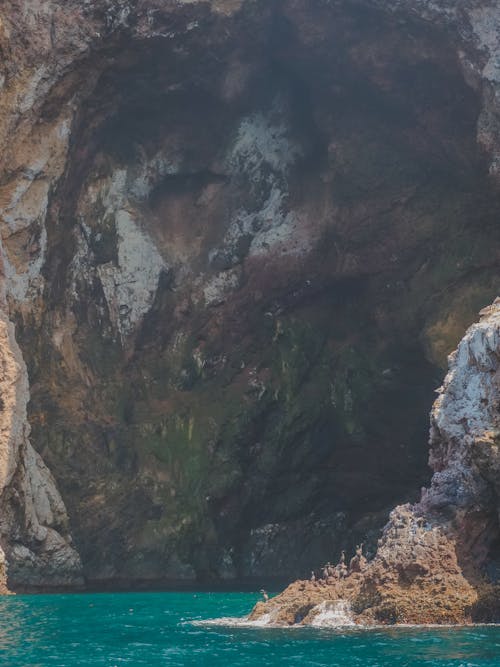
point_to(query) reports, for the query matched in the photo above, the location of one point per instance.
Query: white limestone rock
(130, 281)
(465, 416)
(130, 285)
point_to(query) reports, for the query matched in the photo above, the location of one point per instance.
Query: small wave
(264, 621)
(324, 622)
(328, 614)
(231, 622)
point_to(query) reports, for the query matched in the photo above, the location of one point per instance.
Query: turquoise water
(155, 629)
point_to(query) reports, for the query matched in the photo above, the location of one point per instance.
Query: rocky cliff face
(34, 523)
(438, 561)
(239, 238)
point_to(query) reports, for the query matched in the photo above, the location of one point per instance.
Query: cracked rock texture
(239, 239)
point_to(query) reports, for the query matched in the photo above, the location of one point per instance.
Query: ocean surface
(164, 629)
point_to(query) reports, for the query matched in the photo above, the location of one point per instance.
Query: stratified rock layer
(434, 562)
(239, 238)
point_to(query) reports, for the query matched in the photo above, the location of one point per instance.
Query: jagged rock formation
(239, 238)
(35, 538)
(438, 560)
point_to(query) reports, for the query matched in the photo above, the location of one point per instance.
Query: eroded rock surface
(239, 239)
(34, 530)
(437, 561)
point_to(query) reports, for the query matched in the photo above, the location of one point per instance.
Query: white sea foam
(233, 622)
(328, 614)
(265, 621)
(326, 619)
(332, 614)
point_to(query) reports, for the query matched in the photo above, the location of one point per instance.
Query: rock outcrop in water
(437, 560)
(238, 240)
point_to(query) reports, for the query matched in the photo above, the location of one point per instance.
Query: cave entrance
(265, 249)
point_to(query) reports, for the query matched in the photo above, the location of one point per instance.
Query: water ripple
(175, 630)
